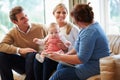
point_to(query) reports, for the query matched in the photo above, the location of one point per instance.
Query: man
(17, 50)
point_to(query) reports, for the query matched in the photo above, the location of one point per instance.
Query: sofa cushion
(107, 68)
(117, 66)
(18, 76)
(114, 42)
(96, 77)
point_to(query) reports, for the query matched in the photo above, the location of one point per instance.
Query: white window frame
(100, 9)
(103, 16)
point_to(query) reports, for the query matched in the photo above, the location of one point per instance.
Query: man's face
(22, 20)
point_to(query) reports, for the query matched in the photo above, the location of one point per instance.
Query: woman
(69, 30)
(90, 46)
(44, 70)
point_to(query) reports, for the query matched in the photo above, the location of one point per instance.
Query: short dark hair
(82, 12)
(14, 11)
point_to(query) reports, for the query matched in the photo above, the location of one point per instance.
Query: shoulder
(38, 26)
(94, 27)
(89, 32)
(70, 24)
(13, 30)
(60, 35)
(73, 26)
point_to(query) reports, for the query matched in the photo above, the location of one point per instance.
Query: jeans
(9, 62)
(44, 70)
(64, 72)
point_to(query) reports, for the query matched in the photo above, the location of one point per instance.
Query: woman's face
(60, 14)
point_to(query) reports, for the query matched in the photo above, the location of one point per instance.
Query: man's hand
(24, 51)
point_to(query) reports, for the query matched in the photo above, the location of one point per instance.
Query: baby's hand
(35, 40)
(38, 41)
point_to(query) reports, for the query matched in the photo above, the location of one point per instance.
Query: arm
(85, 44)
(71, 59)
(8, 45)
(40, 41)
(71, 52)
(73, 35)
(65, 41)
(75, 31)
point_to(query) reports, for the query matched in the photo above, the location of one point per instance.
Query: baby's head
(53, 29)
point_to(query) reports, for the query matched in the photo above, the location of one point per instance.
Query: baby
(51, 41)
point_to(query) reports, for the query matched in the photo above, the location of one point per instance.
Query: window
(98, 8)
(34, 10)
(107, 13)
(114, 17)
(38, 11)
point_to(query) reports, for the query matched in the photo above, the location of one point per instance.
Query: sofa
(110, 65)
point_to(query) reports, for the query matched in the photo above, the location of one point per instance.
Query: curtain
(73, 2)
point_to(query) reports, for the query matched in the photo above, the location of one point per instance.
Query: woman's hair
(82, 13)
(60, 5)
(14, 11)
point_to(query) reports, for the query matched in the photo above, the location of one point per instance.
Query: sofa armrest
(18, 76)
(96, 77)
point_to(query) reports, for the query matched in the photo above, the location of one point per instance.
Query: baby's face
(54, 32)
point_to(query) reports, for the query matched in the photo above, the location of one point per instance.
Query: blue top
(91, 45)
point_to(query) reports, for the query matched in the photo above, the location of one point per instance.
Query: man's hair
(14, 11)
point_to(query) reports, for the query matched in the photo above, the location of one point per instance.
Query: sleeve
(75, 31)
(65, 41)
(74, 35)
(6, 44)
(42, 41)
(85, 44)
(62, 38)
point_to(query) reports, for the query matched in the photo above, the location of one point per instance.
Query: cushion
(107, 68)
(96, 77)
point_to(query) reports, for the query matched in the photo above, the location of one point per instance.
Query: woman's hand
(63, 57)
(55, 55)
